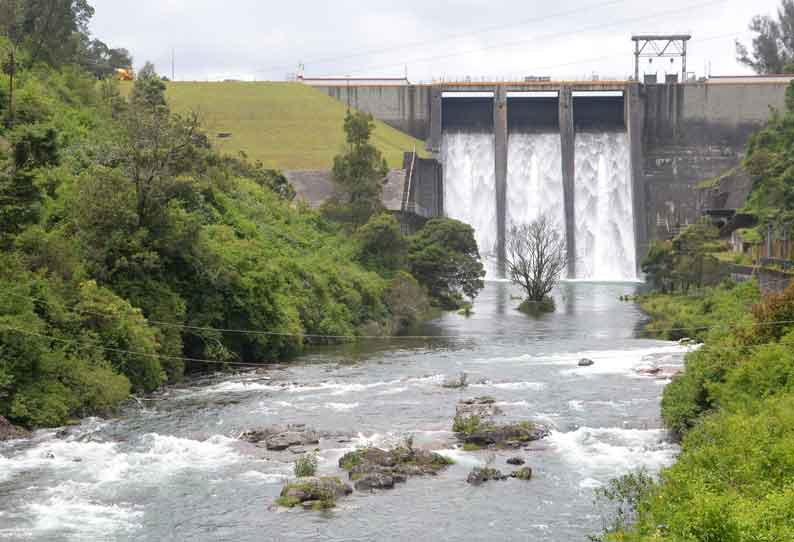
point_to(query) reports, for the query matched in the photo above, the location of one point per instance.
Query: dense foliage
(686, 262)
(444, 257)
(734, 409)
(132, 252)
(770, 164)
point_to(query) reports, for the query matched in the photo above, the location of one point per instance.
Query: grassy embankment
(286, 126)
(733, 407)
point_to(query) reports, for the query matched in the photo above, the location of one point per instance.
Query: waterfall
(470, 187)
(605, 246)
(534, 179)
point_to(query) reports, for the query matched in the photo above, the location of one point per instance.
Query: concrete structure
(413, 194)
(347, 80)
(680, 133)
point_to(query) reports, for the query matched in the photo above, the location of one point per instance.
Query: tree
(686, 261)
(101, 60)
(692, 248)
(536, 256)
(773, 46)
(155, 147)
(444, 258)
(358, 174)
(383, 246)
(659, 266)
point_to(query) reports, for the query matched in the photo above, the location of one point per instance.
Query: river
(176, 471)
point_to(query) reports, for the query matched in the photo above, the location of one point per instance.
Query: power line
(81, 346)
(545, 37)
(448, 37)
(593, 334)
(95, 345)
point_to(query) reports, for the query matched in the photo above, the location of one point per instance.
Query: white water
(534, 179)
(470, 187)
(605, 247)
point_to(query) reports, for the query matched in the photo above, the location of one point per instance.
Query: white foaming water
(610, 452)
(81, 518)
(534, 179)
(536, 386)
(470, 188)
(605, 243)
(607, 361)
(342, 407)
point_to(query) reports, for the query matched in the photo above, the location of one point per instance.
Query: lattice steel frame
(660, 46)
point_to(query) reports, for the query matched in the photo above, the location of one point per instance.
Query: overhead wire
(449, 37)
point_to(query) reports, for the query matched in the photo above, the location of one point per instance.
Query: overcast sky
(267, 39)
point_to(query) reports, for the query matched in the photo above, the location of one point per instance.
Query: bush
(306, 465)
(444, 258)
(382, 244)
(538, 307)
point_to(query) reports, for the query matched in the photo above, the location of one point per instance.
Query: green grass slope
(287, 126)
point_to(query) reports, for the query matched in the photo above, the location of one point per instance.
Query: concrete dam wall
(614, 163)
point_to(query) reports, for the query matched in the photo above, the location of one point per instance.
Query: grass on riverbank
(286, 126)
(734, 408)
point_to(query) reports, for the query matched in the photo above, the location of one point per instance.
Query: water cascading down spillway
(468, 155)
(534, 168)
(603, 199)
(591, 205)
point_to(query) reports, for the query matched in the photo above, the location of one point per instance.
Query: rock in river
(277, 438)
(483, 407)
(585, 362)
(515, 461)
(524, 473)
(374, 468)
(319, 492)
(480, 475)
(11, 432)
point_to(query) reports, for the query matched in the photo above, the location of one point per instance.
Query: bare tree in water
(536, 257)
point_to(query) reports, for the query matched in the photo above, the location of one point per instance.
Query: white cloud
(267, 39)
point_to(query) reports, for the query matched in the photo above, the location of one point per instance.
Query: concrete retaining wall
(406, 108)
(691, 133)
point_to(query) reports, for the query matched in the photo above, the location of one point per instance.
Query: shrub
(306, 465)
(466, 424)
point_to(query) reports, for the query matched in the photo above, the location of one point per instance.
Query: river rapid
(175, 470)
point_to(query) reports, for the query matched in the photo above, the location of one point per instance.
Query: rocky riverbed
(210, 460)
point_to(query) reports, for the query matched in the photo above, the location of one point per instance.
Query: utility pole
(173, 53)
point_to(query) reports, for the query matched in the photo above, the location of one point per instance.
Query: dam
(613, 164)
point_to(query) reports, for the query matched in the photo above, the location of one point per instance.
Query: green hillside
(287, 126)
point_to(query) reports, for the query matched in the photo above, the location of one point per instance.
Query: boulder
(480, 475)
(320, 492)
(8, 431)
(515, 461)
(455, 382)
(282, 441)
(281, 437)
(374, 480)
(585, 362)
(524, 473)
(509, 435)
(374, 468)
(482, 407)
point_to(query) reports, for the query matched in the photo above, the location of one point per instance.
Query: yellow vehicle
(125, 74)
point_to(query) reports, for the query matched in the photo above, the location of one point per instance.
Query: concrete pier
(567, 137)
(500, 167)
(635, 127)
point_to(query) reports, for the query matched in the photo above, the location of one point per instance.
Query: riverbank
(733, 408)
(133, 478)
